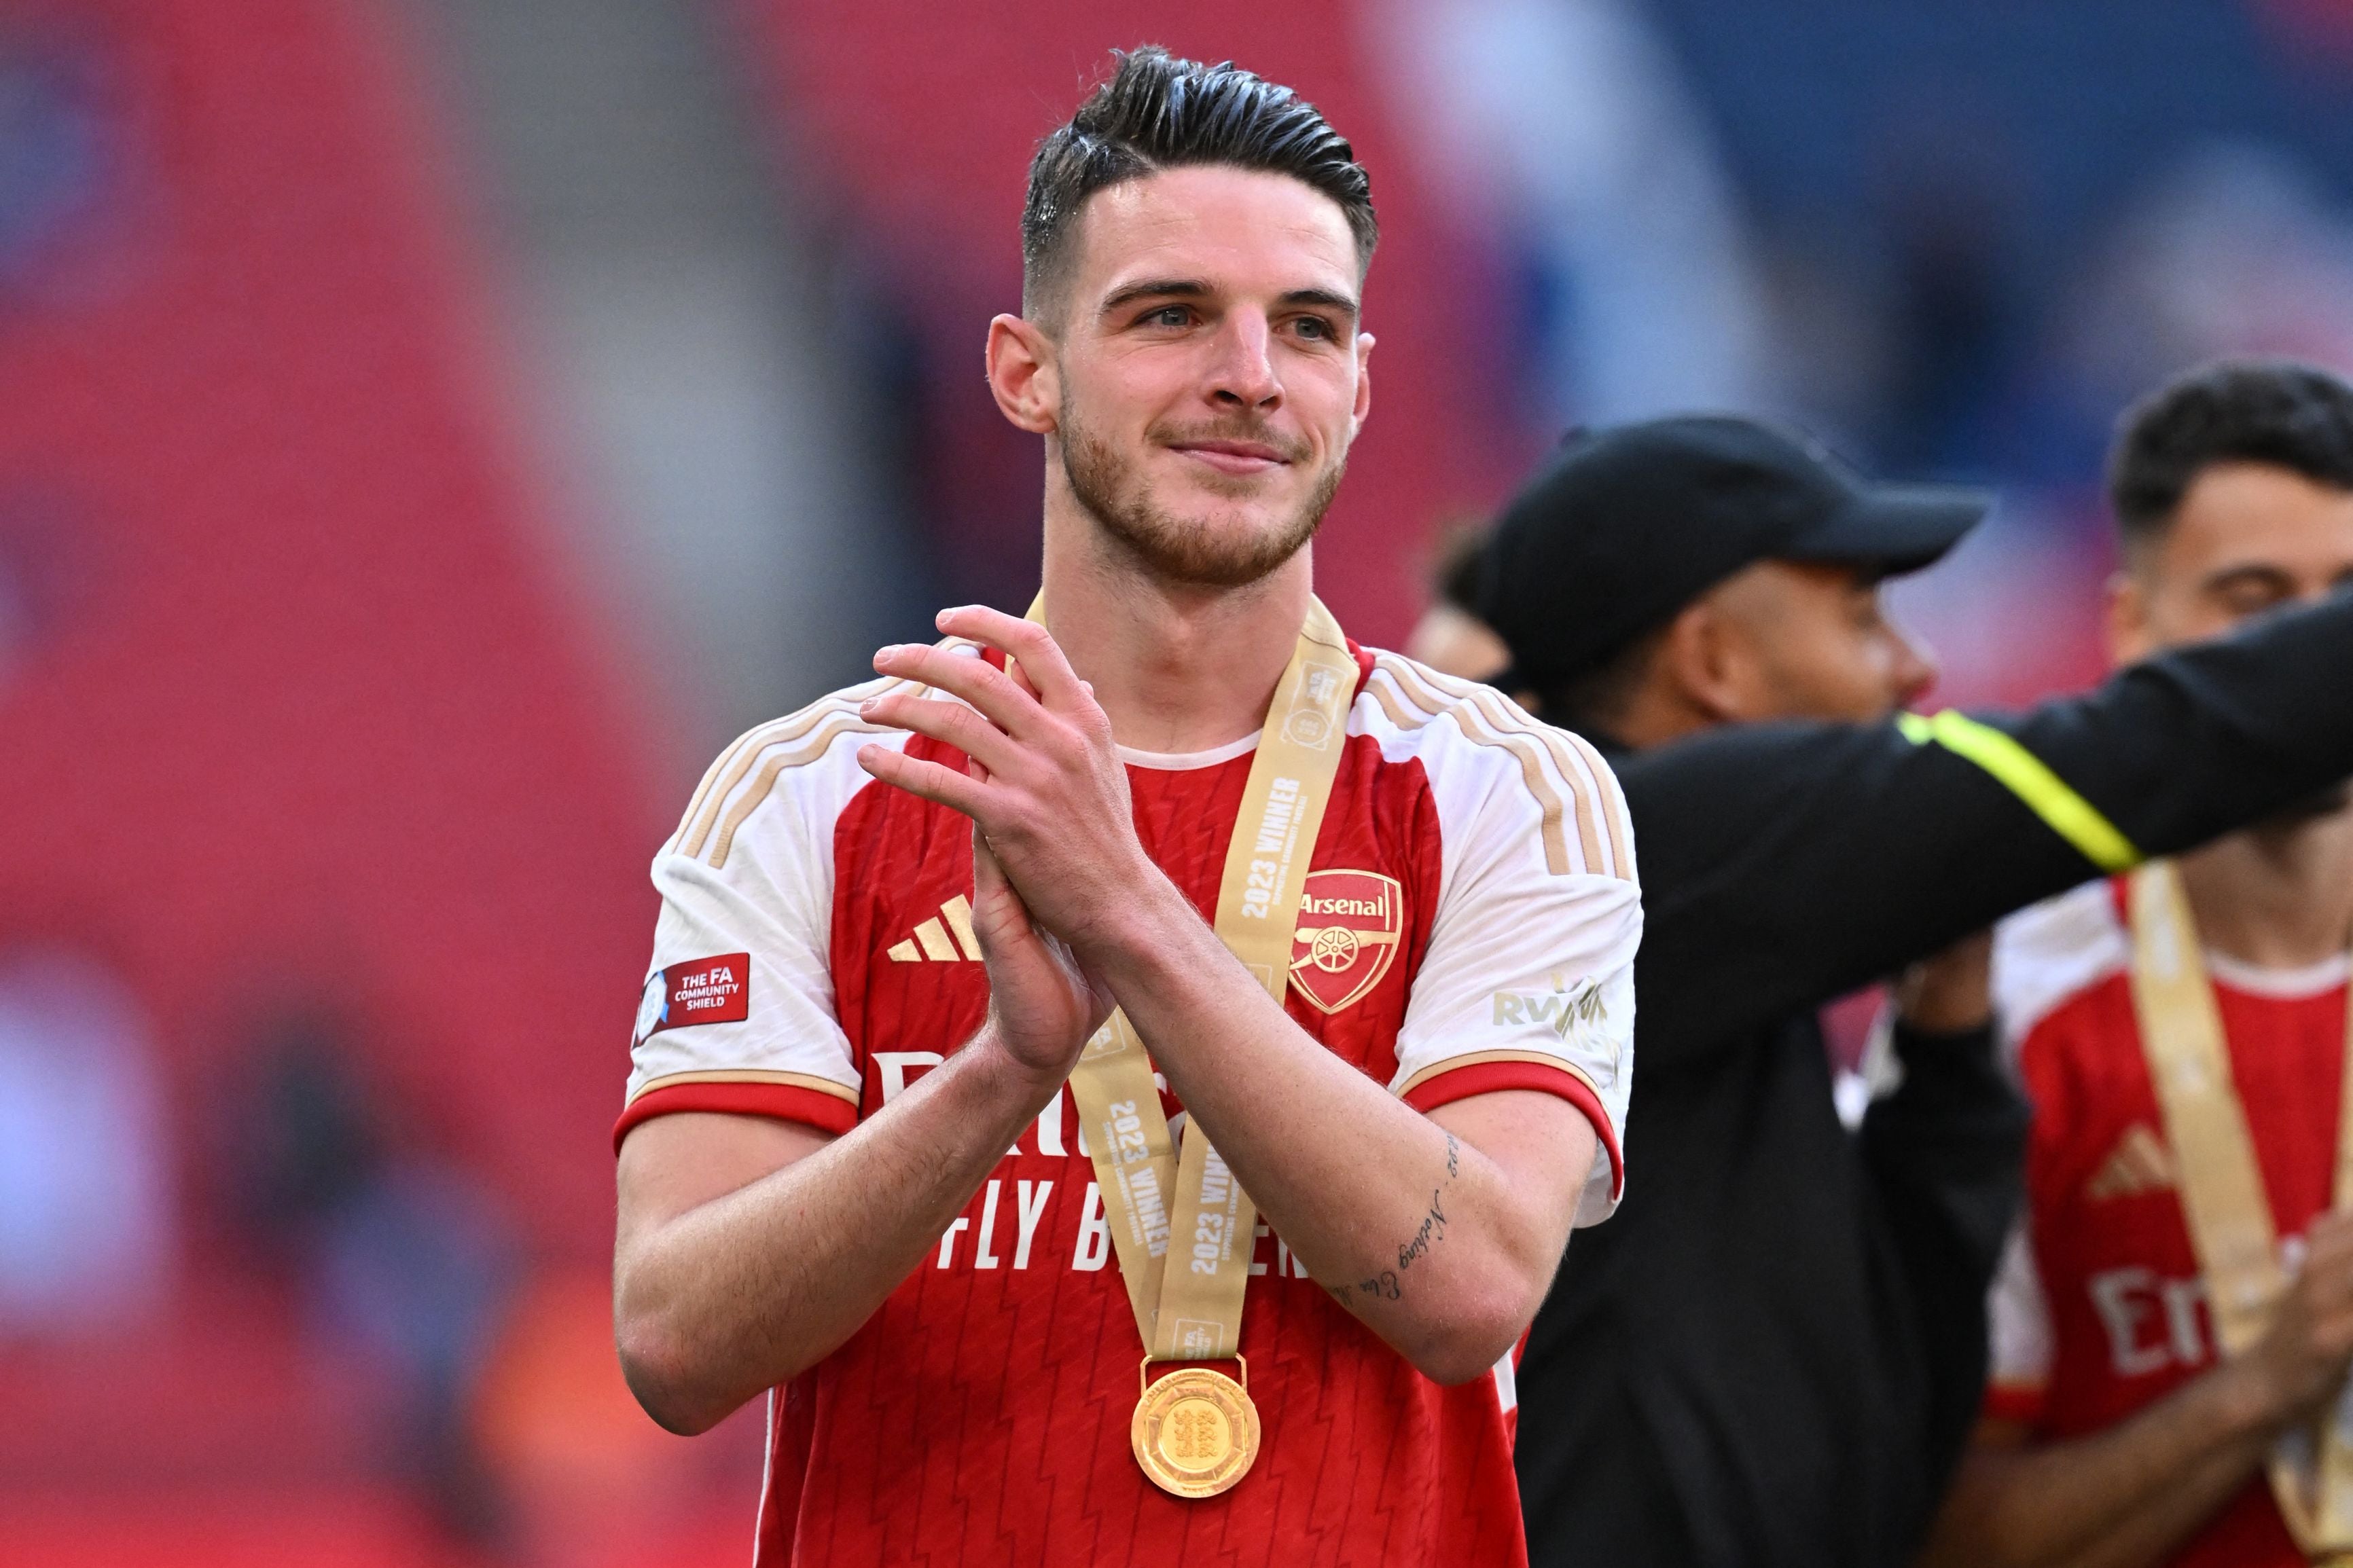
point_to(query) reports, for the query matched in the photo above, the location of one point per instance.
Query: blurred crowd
(429, 428)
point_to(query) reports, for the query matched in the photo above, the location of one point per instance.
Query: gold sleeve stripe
(1557, 859)
(740, 758)
(710, 777)
(1479, 1059)
(1557, 856)
(830, 729)
(1485, 718)
(761, 734)
(1490, 705)
(721, 777)
(748, 1075)
(1579, 762)
(840, 706)
(747, 753)
(1613, 806)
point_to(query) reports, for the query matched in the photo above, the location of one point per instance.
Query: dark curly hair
(1158, 112)
(2290, 415)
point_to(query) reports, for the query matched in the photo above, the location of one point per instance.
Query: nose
(1913, 671)
(1243, 376)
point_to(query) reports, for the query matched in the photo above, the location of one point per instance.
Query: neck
(1656, 714)
(1178, 668)
(2278, 896)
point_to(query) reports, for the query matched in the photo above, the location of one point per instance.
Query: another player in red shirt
(891, 1155)
(2158, 1347)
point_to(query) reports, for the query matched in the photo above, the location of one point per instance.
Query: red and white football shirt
(1485, 871)
(2099, 1310)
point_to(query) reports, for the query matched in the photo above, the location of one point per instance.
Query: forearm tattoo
(1389, 1285)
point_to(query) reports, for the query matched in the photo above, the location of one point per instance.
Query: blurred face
(2248, 538)
(1456, 642)
(1206, 376)
(1808, 641)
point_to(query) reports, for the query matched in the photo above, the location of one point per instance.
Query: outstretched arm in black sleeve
(1783, 865)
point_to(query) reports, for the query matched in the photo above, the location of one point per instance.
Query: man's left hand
(1047, 791)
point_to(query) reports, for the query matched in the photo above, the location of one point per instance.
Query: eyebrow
(1194, 289)
(1156, 288)
(1325, 298)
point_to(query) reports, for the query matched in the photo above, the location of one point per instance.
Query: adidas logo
(931, 939)
(2139, 1163)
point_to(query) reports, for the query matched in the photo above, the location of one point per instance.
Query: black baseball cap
(1627, 525)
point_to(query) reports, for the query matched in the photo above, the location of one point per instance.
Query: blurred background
(429, 429)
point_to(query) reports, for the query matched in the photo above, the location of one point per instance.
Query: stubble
(1112, 490)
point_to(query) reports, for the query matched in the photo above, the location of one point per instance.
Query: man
(1374, 928)
(2140, 1397)
(1775, 1351)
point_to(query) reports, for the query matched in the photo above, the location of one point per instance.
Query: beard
(1110, 485)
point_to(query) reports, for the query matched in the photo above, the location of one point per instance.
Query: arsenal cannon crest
(1349, 923)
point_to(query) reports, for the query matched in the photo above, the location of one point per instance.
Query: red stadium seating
(292, 712)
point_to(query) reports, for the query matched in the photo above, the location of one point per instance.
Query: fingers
(957, 792)
(978, 682)
(2331, 1234)
(1040, 656)
(2327, 1261)
(990, 881)
(951, 723)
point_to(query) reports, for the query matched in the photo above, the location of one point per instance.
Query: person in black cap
(1773, 1352)
(1740, 562)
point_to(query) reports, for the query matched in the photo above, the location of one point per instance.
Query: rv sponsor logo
(1559, 1010)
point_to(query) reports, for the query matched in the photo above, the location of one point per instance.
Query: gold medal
(1195, 1431)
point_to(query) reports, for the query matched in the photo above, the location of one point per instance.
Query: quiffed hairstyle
(1158, 112)
(2290, 415)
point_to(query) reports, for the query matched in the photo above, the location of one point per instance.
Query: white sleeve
(738, 1012)
(1528, 982)
(2017, 1329)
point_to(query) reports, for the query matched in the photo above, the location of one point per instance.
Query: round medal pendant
(1196, 1432)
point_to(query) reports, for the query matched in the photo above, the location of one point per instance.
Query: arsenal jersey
(2099, 1308)
(1468, 925)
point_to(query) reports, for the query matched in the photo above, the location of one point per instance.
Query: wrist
(1004, 1077)
(1141, 923)
(2251, 1402)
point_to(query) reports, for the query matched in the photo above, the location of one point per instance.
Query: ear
(1023, 374)
(1704, 662)
(1364, 385)
(2130, 636)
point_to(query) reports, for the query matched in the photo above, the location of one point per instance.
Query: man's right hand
(2302, 1358)
(1043, 1005)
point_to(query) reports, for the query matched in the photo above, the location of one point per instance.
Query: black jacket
(1773, 1352)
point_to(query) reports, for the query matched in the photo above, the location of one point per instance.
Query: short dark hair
(1158, 111)
(2290, 415)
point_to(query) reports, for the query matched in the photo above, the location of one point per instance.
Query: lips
(1233, 457)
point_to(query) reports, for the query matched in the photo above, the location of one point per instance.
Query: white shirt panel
(2018, 1317)
(2049, 952)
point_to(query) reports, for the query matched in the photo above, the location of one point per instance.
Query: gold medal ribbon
(2221, 1188)
(1180, 1222)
